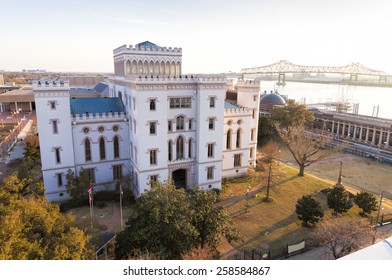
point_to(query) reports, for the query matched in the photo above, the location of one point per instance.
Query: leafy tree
(34, 229)
(338, 199)
(366, 201)
(266, 131)
(271, 152)
(14, 188)
(293, 114)
(31, 152)
(209, 220)
(170, 223)
(160, 224)
(303, 145)
(342, 236)
(309, 210)
(77, 185)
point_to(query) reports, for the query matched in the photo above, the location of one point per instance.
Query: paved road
(18, 150)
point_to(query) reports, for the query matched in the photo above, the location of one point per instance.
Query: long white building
(157, 124)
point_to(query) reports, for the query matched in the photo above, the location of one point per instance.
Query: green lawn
(275, 223)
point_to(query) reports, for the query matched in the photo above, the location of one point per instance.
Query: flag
(90, 194)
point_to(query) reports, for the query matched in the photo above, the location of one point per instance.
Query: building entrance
(179, 178)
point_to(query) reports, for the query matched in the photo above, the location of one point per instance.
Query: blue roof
(102, 88)
(230, 105)
(82, 90)
(96, 105)
(146, 44)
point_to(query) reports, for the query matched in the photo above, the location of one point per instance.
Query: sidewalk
(18, 149)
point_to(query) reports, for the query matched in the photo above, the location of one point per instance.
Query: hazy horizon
(215, 36)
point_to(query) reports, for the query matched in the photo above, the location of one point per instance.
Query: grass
(274, 224)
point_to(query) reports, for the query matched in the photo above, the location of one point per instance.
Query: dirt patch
(358, 172)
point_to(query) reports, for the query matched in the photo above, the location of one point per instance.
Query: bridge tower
(281, 79)
(383, 79)
(353, 77)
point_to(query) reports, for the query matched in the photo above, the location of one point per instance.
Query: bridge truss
(284, 66)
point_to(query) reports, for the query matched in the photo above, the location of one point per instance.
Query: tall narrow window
(211, 123)
(210, 173)
(252, 134)
(169, 125)
(212, 102)
(117, 172)
(238, 139)
(53, 105)
(91, 174)
(153, 128)
(170, 150)
(59, 179)
(237, 160)
(228, 140)
(57, 155)
(152, 104)
(180, 148)
(251, 152)
(55, 127)
(116, 147)
(153, 157)
(254, 113)
(190, 148)
(87, 149)
(210, 152)
(190, 124)
(153, 179)
(102, 151)
(180, 123)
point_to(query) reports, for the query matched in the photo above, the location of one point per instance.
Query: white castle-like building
(156, 124)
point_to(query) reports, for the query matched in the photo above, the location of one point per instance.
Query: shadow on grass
(261, 243)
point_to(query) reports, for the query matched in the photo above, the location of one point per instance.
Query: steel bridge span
(283, 67)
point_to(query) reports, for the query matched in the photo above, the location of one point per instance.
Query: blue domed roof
(273, 99)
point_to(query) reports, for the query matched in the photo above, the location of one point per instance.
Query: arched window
(180, 148)
(228, 140)
(180, 123)
(116, 147)
(102, 151)
(190, 148)
(238, 140)
(170, 150)
(87, 149)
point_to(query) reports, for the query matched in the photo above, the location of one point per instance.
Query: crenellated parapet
(238, 111)
(180, 78)
(99, 117)
(141, 48)
(51, 84)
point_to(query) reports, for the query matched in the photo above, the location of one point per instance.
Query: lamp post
(121, 213)
(380, 206)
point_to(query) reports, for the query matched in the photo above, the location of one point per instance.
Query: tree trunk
(269, 180)
(301, 170)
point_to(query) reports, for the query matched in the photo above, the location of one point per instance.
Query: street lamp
(380, 206)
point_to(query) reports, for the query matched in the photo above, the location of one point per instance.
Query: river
(368, 97)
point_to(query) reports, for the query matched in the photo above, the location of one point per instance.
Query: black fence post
(253, 254)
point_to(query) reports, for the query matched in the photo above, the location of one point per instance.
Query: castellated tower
(147, 59)
(54, 128)
(248, 95)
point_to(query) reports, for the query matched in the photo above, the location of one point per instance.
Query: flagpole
(90, 199)
(121, 214)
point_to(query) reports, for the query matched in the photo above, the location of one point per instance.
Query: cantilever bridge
(283, 66)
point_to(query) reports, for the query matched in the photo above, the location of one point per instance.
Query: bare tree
(270, 152)
(305, 146)
(341, 236)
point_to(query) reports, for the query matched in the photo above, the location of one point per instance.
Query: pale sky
(216, 36)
